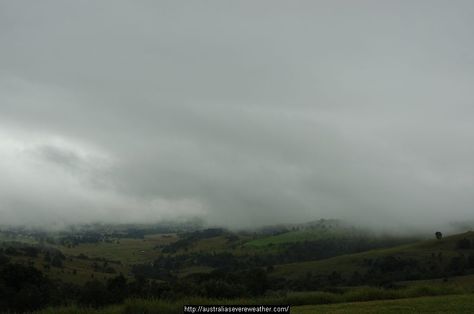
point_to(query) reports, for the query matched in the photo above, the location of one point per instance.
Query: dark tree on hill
(438, 235)
(11, 251)
(256, 281)
(22, 289)
(30, 251)
(117, 288)
(95, 294)
(3, 259)
(57, 261)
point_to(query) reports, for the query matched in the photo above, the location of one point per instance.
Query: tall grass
(159, 306)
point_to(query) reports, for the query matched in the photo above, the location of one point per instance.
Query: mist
(240, 113)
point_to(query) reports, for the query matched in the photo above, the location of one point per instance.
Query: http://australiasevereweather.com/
(281, 309)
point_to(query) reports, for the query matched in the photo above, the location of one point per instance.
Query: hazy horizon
(240, 113)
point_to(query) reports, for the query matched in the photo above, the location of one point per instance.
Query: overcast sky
(240, 112)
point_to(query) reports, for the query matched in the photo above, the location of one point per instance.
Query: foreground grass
(360, 294)
(439, 304)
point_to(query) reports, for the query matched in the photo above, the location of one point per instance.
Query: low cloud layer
(242, 113)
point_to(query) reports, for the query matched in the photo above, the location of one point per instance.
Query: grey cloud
(64, 158)
(245, 113)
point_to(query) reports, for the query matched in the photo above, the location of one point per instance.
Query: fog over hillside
(243, 113)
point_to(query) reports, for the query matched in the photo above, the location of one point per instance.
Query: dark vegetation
(212, 264)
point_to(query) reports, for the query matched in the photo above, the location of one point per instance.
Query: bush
(23, 288)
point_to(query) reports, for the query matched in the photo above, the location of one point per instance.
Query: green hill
(218, 265)
(425, 254)
(317, 230)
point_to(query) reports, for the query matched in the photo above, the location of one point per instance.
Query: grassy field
(74, 270)
(297, 236)
(409, 297)
(439, 304)
(128, 251)
(465, 282)
(21, 239)
(453, 295)
(364, 301)
(213, 244)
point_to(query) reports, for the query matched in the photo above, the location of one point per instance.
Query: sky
(242, 113)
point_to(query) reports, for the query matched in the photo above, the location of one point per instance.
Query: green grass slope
(422, 251)
(315, 231)
(439, 304)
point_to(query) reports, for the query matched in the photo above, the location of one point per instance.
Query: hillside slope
(452, 255)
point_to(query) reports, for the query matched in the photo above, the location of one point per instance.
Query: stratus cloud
(51, 180)
(245, 113)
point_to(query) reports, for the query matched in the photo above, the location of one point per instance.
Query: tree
(57, 261)
(94, 293)
(22, 289)
(438, 235)
(118, 288)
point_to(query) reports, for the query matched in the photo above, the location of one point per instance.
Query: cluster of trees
(20, 251)
(216, 284)
(165, 266)
(103, 267)
(51, 256)
(24, 288)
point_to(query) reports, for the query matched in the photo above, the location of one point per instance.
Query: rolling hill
(429, 253)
